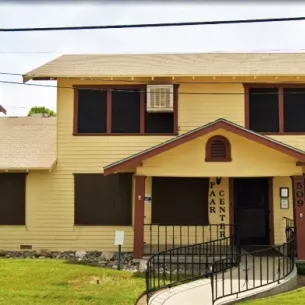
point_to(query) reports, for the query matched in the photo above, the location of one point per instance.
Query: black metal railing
(289, 229)
(253, 270)
(162, 237)
(188, 263)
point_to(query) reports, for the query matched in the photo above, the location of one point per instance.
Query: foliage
(54, 282)
(301, 268)
(41, 109)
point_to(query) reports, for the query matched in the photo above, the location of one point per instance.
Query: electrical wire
(144, 91)
(212, 52)
(152, 25)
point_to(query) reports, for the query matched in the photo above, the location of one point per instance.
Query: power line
(151, 25)
(212, 52)
(144, 91)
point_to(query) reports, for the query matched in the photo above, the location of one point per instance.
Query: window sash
(281, 113)
(142, 126)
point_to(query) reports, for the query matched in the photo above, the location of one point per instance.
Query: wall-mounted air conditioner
(160, 98)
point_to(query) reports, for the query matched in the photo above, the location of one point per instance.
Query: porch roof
(136, 159)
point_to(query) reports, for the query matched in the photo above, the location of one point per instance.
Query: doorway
(251, 210)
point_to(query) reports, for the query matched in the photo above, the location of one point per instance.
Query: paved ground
(236, 280)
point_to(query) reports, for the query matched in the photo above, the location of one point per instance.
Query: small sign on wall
(284, 192)
(284, 203)
(147, 199)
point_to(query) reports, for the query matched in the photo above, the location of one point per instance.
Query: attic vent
(218, 149)
(160, 98)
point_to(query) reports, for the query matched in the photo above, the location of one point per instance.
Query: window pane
(294, 109)
(126, 111)
(92, 111)
(264, 111)
(159, 122)
(12, 203)
(180, 200)
(103, 200)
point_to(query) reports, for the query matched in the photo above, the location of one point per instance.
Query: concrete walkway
(200, 293)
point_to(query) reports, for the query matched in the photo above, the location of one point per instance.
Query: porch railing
(289, 229)
(187, 263)
(162, 237)
(254, 270)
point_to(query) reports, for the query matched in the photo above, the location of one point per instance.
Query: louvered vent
(159, 98)
(218, 150)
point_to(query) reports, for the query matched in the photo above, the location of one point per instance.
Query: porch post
(138, 243)
(299, 214)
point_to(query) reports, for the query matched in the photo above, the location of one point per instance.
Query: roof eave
(137, 159)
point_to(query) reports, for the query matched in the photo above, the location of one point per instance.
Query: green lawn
(46, 282)
(294, 297)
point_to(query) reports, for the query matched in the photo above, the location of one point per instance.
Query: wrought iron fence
(187, 263)
(253, 270)
(289, 229)
(162, 237)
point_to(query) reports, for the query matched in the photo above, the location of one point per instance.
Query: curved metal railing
(253, 269)
(188, 263)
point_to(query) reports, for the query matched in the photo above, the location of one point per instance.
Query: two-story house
(172, 149)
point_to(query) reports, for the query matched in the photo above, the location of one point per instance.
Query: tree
(42, 110)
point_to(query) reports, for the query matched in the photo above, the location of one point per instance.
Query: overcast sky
(22, 52)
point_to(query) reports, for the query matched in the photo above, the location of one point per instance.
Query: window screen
(180, 200)
(159, 122)
(103, 200)
(264, 110)
(92, 111)
(294, 109)
(126, 111)
(12, 202)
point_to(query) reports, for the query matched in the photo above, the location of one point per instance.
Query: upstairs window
(277, 109)
(218, 149)
(119, 110)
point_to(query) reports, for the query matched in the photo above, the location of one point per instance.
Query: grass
(46, 282)
(294, 297)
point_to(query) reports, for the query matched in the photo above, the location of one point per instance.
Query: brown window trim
(208, 152)
(108, 119)
(280, 87)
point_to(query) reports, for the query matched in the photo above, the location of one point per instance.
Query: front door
(252, 210)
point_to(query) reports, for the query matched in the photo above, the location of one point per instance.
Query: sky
(22, 52)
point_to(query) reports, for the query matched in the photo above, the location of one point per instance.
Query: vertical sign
(217, 206)
(299, 213)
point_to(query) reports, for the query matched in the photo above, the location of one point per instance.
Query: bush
(301, 268)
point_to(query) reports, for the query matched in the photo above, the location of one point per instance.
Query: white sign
(147, 199)
(119, 238)
(284, 203)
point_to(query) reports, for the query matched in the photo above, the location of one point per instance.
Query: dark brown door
(252, 210)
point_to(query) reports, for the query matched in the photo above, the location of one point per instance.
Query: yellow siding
(50, 198)
(249, 159)
(279, 221)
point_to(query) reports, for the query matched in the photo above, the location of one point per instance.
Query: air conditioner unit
(160, 98)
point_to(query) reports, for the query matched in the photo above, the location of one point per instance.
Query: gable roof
(194, 64)
(27, 143)
(136, 159)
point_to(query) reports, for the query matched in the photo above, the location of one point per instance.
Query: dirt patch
(142, 300)
(93, 280)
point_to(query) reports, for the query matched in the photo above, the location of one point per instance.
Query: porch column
(139, 195)
(299, 214)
